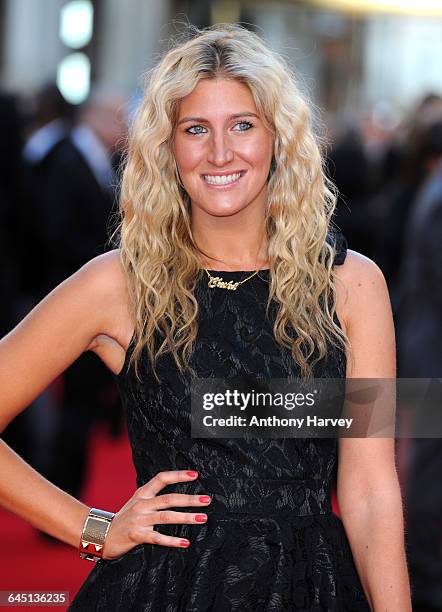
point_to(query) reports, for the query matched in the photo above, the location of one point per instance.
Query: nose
(220, 152)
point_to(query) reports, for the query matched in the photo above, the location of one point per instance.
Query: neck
(235, 242)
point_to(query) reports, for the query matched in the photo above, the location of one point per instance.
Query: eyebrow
(203, 119)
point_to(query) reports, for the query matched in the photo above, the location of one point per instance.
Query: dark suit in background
(420, 356)
(10, 202)
(75, 215)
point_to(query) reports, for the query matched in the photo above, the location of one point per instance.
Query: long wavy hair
(157, 249)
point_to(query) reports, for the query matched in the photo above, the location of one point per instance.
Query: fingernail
(205, 499)
(185, 543)
(192, 473)
(200, 518)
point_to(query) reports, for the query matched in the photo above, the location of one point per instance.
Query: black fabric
(67, 216)
(271, 542)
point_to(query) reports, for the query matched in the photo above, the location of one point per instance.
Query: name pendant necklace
(220, 283)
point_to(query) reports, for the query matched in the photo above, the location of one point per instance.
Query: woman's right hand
(134, 523)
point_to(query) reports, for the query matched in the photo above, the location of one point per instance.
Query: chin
(223, 210)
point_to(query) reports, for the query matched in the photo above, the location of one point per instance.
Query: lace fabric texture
(271, 542)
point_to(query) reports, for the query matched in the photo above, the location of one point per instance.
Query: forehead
(217, 96)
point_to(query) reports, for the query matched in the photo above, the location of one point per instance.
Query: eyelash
(248, 123)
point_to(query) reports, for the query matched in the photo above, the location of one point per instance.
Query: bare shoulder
(106, 272)
(364, 308)
(356, 265)
(105, 268)
(88, 311)
(107, 285)
(360, 286)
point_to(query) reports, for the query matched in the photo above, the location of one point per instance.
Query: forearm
(27, 494)
(375, 530)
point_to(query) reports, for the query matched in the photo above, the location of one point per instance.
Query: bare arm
(368, 489)
(50, 338)
(88, 311)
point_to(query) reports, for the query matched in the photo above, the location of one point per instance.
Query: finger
(146, 506)
(162, 479)
(170, 500)
(155, 537)
(170, 517)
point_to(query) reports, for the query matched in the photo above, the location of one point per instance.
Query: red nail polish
(205, 499)
(201, 518)
(192, 473)
(185, 543)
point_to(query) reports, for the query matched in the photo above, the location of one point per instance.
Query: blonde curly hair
(156, 245)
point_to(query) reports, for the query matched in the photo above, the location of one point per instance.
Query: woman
(223, 187)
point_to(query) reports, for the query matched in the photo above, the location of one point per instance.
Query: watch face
(96, 529)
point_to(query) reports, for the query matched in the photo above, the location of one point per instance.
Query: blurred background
(71, 77)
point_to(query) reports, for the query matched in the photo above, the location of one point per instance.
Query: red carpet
(28, 562)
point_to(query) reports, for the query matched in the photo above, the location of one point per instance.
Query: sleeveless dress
(271, 542)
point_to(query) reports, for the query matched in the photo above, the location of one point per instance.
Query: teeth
(221, 180)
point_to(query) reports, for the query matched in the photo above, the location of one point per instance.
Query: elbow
(383, 499)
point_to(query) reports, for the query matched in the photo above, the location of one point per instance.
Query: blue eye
(195, 127)
(247, 125)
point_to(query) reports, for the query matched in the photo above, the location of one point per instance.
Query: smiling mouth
(217, 180)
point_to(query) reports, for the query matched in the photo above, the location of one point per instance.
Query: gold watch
(96, 527)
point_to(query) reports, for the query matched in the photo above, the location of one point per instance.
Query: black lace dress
(271, 542)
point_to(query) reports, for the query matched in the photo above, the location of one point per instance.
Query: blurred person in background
(46, 123)
(349, 168)
(70, 169)
(401, 226)
(420, 277)
(78, 204)
(404, 170)
(11, 203)
(420, 356)
(11, 125)
(50, 125)
(79, 180)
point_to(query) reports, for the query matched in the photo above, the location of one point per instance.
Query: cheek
(187, 155)
(261, 153)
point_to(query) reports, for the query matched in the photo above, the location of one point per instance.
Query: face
(222, 148)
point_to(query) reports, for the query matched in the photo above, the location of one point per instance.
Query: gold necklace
(218, 281)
